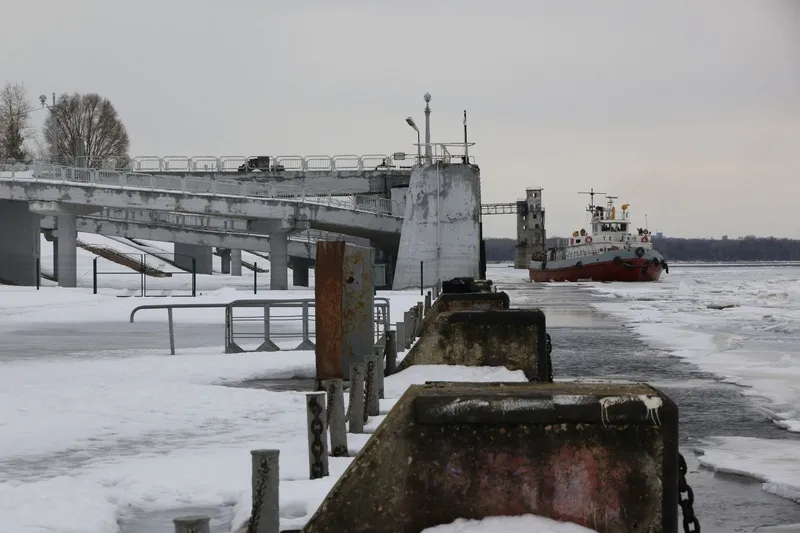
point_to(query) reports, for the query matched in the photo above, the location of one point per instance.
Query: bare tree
(92, 118)
(14, 122)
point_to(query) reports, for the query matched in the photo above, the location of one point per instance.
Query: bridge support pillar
(67, 255)
(236, 262)
(19, 243)
(225, 254)
(300, 269)
(203, 256)
(55, 256)
(279, 261)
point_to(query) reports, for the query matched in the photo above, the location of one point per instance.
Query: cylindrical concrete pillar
(265, 516)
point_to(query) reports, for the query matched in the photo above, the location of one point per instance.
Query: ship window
(533, 215)
(536, 225)
(524, 227)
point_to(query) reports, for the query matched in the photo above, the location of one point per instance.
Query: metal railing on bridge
(39, 172)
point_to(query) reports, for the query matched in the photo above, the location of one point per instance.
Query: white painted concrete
(441, 226)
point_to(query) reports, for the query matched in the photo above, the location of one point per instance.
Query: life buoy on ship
(639, 252)
(645, 239)
(588, 240)
(578, 265)
(618, 260)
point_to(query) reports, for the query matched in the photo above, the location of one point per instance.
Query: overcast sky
(687, 110)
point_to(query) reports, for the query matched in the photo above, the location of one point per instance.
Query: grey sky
(688, 110)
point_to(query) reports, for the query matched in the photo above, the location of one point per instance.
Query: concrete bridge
(441, 221)
(275, 210)
(203, 232)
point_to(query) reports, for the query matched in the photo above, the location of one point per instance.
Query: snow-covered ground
(739, 323)
(92, 435)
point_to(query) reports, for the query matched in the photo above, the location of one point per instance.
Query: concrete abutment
(203, 257)
(19, 243)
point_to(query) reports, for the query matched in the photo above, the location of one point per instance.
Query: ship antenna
(591, 194)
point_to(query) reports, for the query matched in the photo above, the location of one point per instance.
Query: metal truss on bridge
(499, 209)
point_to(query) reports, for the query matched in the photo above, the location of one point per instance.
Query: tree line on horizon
(750, 248)
(86, 116)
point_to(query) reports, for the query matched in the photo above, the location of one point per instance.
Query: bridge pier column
(19, 243)
(67, 255)
(226, 260)
(279, 261)
(300, 269)
(55, 256)
(203, 256)
(236, 262)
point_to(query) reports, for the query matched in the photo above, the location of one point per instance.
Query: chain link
(368, 384)
(690, 522)
(329, 410)
(317, 432)
(549, 359)
(258, 495)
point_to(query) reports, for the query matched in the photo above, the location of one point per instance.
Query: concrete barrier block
(515, 339)
(604, 456)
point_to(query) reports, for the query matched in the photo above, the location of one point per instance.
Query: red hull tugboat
(609, 252)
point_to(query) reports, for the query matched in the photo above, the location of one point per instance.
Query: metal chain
(549, 359)
(349, 403)
(690, 522)
(329, 410)
(368, 384)
(258, 495)
(317, 432)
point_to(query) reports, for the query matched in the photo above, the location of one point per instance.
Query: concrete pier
(236, 262)
(19, 243)
(225, 255)
(203, 256)
(300, 270)
(279, 261)
(67, 235)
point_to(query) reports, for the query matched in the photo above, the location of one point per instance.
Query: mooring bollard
(391, 352)
(317, 435)
(265, 516)
(400, 337)
(380, 371)
(337, 425)
(192, 524)
(371, 387)
(355, 414)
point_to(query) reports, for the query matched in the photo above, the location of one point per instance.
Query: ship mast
(591, 194)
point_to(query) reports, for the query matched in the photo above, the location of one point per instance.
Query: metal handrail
(198, 186)
(305, 303)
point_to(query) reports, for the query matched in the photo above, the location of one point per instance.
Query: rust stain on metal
(329, 318)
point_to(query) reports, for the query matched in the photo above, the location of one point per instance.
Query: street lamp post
(53, 127)
(413, 124)
(428, 127)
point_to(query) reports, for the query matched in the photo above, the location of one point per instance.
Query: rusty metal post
(328, 292)
(316, 414)
(356, 412)
(358, 305)
(408, 327)
(427, 302)
(337, 424)
(391, 352)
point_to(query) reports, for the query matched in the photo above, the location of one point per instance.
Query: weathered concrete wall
(203, 256)
(441, 225)
(19, 243)
(515, 339)
(599, 455)
(448, 303)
